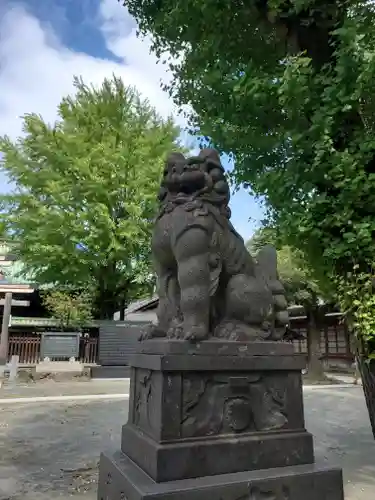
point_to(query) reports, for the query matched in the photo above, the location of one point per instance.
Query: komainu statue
(208, 283)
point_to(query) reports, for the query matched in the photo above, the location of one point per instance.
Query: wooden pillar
(4, 340)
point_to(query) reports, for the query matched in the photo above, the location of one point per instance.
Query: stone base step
(120, 478)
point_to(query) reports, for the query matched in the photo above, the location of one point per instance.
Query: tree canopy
(86, 191)
(286, 88)
(301, 286)
(71, 309)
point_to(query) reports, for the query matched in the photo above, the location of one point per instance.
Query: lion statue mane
(208, 283)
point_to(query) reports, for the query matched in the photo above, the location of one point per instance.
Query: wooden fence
(334, 344)
(88, 350)
(27, 347)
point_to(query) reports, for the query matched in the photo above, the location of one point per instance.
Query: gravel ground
(50, 451)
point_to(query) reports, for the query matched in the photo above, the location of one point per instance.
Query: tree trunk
(367, 370)
(107, 308)
(315, 364)
(122, 309)
(105, 304)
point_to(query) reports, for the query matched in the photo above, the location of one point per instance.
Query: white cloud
(36, 70)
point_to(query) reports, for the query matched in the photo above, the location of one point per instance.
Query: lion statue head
(187, 178)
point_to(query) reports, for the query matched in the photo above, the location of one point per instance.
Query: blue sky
(43, 44)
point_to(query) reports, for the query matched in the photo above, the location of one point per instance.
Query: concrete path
(50, 388)
(57, 399)
(61, 390)
(50, 451)
(339, 421)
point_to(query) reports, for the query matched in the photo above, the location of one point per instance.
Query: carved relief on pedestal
(144, 399)
(255, 493)
(219, 404)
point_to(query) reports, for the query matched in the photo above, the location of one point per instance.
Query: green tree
(71, 309)
(286, 88)
(262, 237)
(86, 192)
(301, 288)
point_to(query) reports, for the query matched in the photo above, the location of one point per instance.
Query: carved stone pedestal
(219, 421)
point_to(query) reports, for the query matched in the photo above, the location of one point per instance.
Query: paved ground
(50, 451)
(50, 387)
(71, 388)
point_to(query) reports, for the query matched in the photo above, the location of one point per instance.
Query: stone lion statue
(208, 283)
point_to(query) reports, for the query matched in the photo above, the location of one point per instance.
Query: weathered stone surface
(170, 363)
(215, 347)
(220, 418)
(173, 397)
(119, 479)
(243, 413)
(236, 418)
(208, 283)
(213, 456)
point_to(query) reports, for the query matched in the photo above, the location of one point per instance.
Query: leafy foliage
(71, 309)
(285, 87)
(86, 191)
(297, 277)
(301, 286)
(358, 303)
(262, 237)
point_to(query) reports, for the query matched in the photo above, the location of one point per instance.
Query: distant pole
(4, 340)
